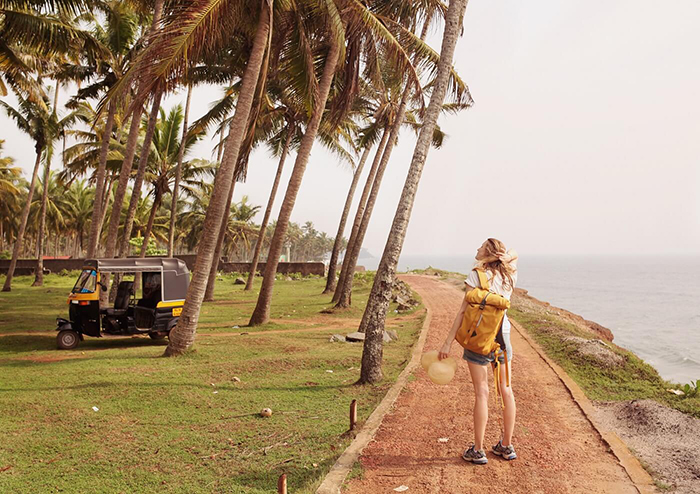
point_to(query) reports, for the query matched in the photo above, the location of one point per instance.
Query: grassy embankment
(184, 425)
(633, 379)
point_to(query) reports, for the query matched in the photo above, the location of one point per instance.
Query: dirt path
(559, 451)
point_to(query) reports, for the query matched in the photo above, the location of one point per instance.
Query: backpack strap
(483, 280)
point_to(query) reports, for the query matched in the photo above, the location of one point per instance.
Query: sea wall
(27, 266)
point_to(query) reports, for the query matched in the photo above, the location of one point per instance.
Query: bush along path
(420, 441)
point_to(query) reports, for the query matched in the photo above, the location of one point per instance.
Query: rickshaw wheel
(67, 339)
(158, 335)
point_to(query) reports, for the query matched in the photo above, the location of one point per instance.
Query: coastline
(628, 395)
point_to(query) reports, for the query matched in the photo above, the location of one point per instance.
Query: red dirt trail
(558, 449)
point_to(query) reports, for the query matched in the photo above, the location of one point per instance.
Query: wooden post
(353, 414)
(282, 484)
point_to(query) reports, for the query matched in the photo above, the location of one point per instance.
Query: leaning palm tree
(118, 34)
(393, 114)
(374, 317)
(369, 29)
(289, 130)
(335, 252)
(183, 37)
(32, 119)
(119, 92)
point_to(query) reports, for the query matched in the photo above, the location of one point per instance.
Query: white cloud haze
(584, 137)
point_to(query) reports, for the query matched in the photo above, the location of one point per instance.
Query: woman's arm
(445, 350)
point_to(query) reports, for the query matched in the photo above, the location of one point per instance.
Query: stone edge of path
(333, 481)
(639, 477)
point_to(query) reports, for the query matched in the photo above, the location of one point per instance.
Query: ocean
(651, 304)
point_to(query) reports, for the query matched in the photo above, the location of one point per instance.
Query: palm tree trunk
(124, 175)
(151, 220)
(374, 316)
(268, 210)
(261, 314)
(178, 175)
(352, 254)
(107, 190)
(39, 272)
(118, 201)
(22, 225)
(96, 224)
(220, 151)
(214, 268)
(182, 336)
(344, 272)
(333, 265)
(140, 173)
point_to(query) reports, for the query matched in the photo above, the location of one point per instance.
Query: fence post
(353, 414)
(282, 484)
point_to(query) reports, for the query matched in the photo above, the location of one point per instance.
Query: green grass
(182, 425)
(634, 380)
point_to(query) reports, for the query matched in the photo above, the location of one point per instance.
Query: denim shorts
(503, 339)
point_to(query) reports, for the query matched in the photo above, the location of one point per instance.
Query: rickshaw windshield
(87, 282)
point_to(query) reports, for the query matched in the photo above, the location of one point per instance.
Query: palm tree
(333, 264)
(192, 219)
(30, 28)
(394, 116)
(118, 34)
(167, 151)
(78, 206)
(140, 174)
(46, 215)
(362, 204)
(290, 131)
(239, 227)
(374, 317)
(55, 129)
(32, 119)
(9, 194)
(182, 337)
(142, 95)
(366, 25)
(178, 175)
(261, 314)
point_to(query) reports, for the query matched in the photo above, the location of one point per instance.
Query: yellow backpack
(482, 319)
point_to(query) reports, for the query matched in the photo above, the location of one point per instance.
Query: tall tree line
(349, 74)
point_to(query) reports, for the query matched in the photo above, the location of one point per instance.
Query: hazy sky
(585, 137)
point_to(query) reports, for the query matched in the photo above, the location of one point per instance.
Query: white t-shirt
(496, 282)
(497, 286)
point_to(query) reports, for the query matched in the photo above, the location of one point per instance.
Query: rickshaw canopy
(174, 273)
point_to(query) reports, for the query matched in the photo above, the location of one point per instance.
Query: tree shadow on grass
(47, 342)
(167, 384)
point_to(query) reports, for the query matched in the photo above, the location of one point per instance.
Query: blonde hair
(497, 260)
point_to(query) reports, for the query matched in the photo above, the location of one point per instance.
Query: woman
(501, 271)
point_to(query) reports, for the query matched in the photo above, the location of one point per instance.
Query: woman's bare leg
(508, 406)
(479, 375)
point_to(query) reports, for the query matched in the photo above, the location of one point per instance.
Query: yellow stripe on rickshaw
(174, 303)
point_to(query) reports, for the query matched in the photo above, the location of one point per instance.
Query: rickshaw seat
(121, 302)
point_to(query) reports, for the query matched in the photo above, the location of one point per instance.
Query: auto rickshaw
(164, 286)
